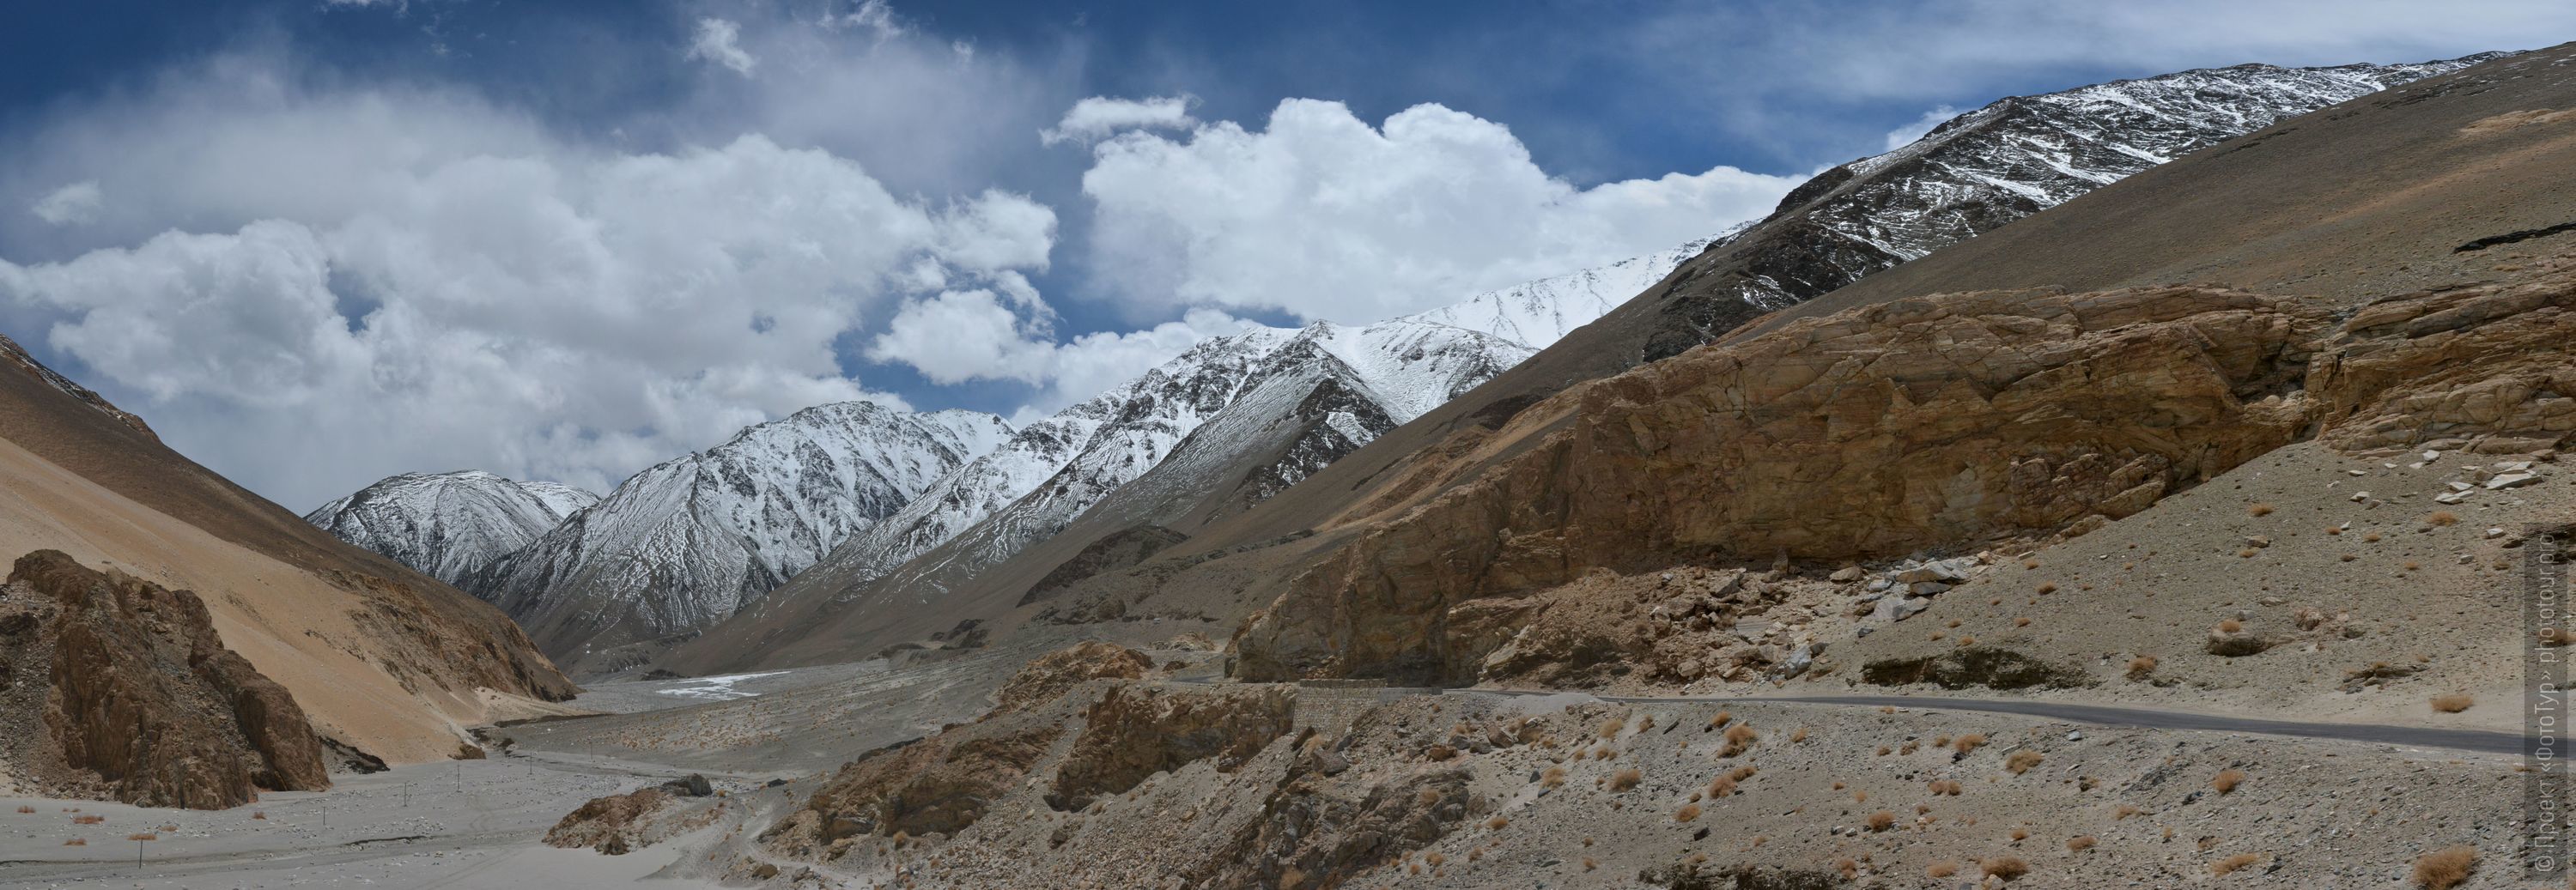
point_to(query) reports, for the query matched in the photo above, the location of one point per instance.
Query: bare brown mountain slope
(2364, 200)
(1871, 422)
(379, 656)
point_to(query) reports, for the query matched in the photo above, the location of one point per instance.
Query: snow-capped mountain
(685, 542)
(1980, 170)
(1536, 313)
(448, 525)
(1358, 381)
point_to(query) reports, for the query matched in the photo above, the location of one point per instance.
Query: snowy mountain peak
(447, 525)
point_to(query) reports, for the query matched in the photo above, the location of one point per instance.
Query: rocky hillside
(685, 543)
(449, 525)
(113, 687)
(376, 655)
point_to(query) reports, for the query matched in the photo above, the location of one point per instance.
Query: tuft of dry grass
(1721, 787)
(1689, 811)
(2232, 863)
(1941, 869)
(1967, 641)
(143, 836)
(2370, 538)
(77, 842)
(2453, 703)
(2080, 843)
(2413, 566)
(1626, 779)
(2020, 834)
(2141, 666)
(2443, 518)
(88, 820)
(2446, 868)
(1497, 823)
(2019, 621)
(1435, 859)
(1610, 728)
(2047, 588)
(2005, 867)
(2021, 761)
(2231, 625)
(2247, 553)
(261, 814)
(1940, 787)
(26, 809)
(2030, 564)
(1553, 777)
(2227, 780)
(2259, 510)
(2125, 811)
(1968, 744)
(1589, 864)
(1739, 737)
(1881, 820)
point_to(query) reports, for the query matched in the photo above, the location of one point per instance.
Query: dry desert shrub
(1967, 641)
(88, 820)
(2227, 780)
(1721, 787)
(2079, 843)
(2259, 509)
(1497, 823)
(1799, 736)
(1610, 728)
(77, 842)
(2413, 566)
(1940, 787)
(2444, 518)
(1689, 811)
(2370, 538)
(1434, 859)
(262, 814)
(2125, 811)
(2445, 868)
(2230, 625)
(1968, 744)
(2020, 834)
(25, 809)
(2232, 863)
(1941, 869)
(2453, 703)
(1589, 865)
(1882, 820)
(1626, 779)
(2005, 867)
(2047, 588)
(1738, 737)
(2141, 666)
(2021, 622)
(2021, 761)
(1849, 867)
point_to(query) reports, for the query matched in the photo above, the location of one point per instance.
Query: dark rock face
(1118, 551)
(1134, 732)
(139, 699)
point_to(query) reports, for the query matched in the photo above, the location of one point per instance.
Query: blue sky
(318, 242)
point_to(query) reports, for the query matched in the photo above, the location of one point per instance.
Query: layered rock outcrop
(1050, 676)
(1919, 422)
(137, 696)
(1137, 731)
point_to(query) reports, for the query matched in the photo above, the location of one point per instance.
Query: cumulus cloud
(958, 336)
(719, 41)
(73, 204)
(1091, 119)
(372, 281)
(1321, 215)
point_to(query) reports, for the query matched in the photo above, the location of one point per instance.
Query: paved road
(2477, 740)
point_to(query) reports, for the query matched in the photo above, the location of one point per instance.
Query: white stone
(2512, 480)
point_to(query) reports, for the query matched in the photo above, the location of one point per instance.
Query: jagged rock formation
(1923, 421)
(685, 543)
(1048, 677)
(1136, 731)
(449, 525)
(116, 687)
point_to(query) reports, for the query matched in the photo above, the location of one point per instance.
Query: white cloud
(874, 16)
(374, 281)
(957, 336)
(1919, 127)
(1094, 118)
(1322, 216)
(73, 204)
(719, 41)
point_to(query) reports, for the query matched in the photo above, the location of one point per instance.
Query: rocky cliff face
(15, 355)
(685, 543)
(449, 525)
(118, 688)
(1922, 422)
